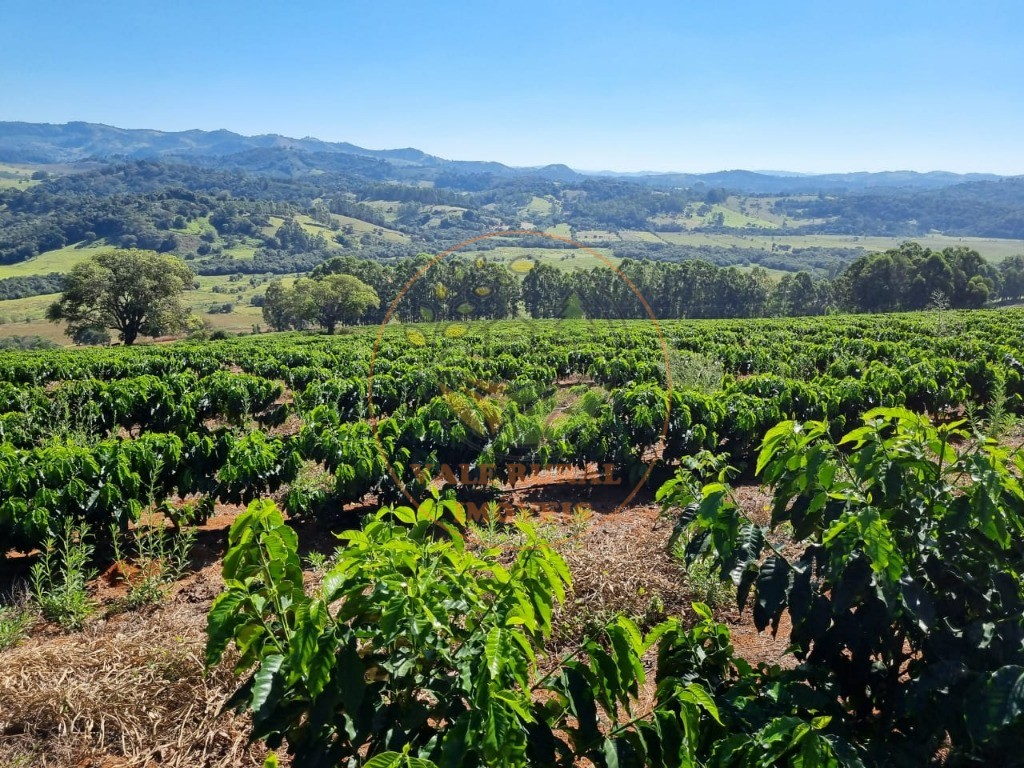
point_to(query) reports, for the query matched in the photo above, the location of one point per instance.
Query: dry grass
(127, 694)
(619, 565)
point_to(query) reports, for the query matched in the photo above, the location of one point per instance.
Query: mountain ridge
(79, 141)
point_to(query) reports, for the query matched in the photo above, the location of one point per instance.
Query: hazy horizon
(587, 171)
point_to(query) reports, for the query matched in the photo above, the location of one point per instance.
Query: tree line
(137, 292)
(906, 278)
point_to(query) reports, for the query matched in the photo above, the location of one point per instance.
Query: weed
(707, 585)
(692, 370)
(14, 624)
(997, 420)
(1000, 420)
(60, 577)
(580, 520)
(491, 530)
(311, 493)
(317, 561)
(488, 528)
(160, 558)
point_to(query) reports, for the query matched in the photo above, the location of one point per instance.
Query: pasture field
(539, 206)
(15, 176)
(361, 227)
(59, 260)
(387, 209)
(774, 274)
(196, 226)
(358, 227)
(27, 317)
(993, 249)
(561, 230)
(563, 258)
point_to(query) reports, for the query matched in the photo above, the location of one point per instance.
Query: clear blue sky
(689, 85)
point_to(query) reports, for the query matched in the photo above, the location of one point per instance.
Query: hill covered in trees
(262, 206)
(76, 141)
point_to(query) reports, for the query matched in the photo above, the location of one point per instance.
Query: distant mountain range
(77, 141)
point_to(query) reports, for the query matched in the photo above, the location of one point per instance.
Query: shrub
(91, 336)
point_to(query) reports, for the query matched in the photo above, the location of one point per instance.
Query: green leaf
(386, 760)
(221, 623)
(351, 677)
(772, 439)
(493, 650)
(427, 511)
(703, 611)
(999, 702)
(405, 515)
(263, 680)
(772, 586)
(698, 695)
(579, 691)
(515, 704)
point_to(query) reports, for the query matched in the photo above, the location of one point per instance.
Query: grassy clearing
(596, 235)
(60, 260)
(735, 212)
(733, 217)
(559, 257)
(561, 230)
(315, 228)
(387, 209)
(359, 227)
(23, 310)
(244, 252)
(763, 208)
(16, 176)
(640, 237)
(27, 317)
(215, 291)
(774, 274)
(15, 182)
(538, 206)
(993, 249)
(196, 226)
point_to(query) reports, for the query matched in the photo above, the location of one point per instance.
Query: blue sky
(690, 85)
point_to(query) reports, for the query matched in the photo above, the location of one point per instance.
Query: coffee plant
(903, 580)
(237, 420)
(416, 650)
